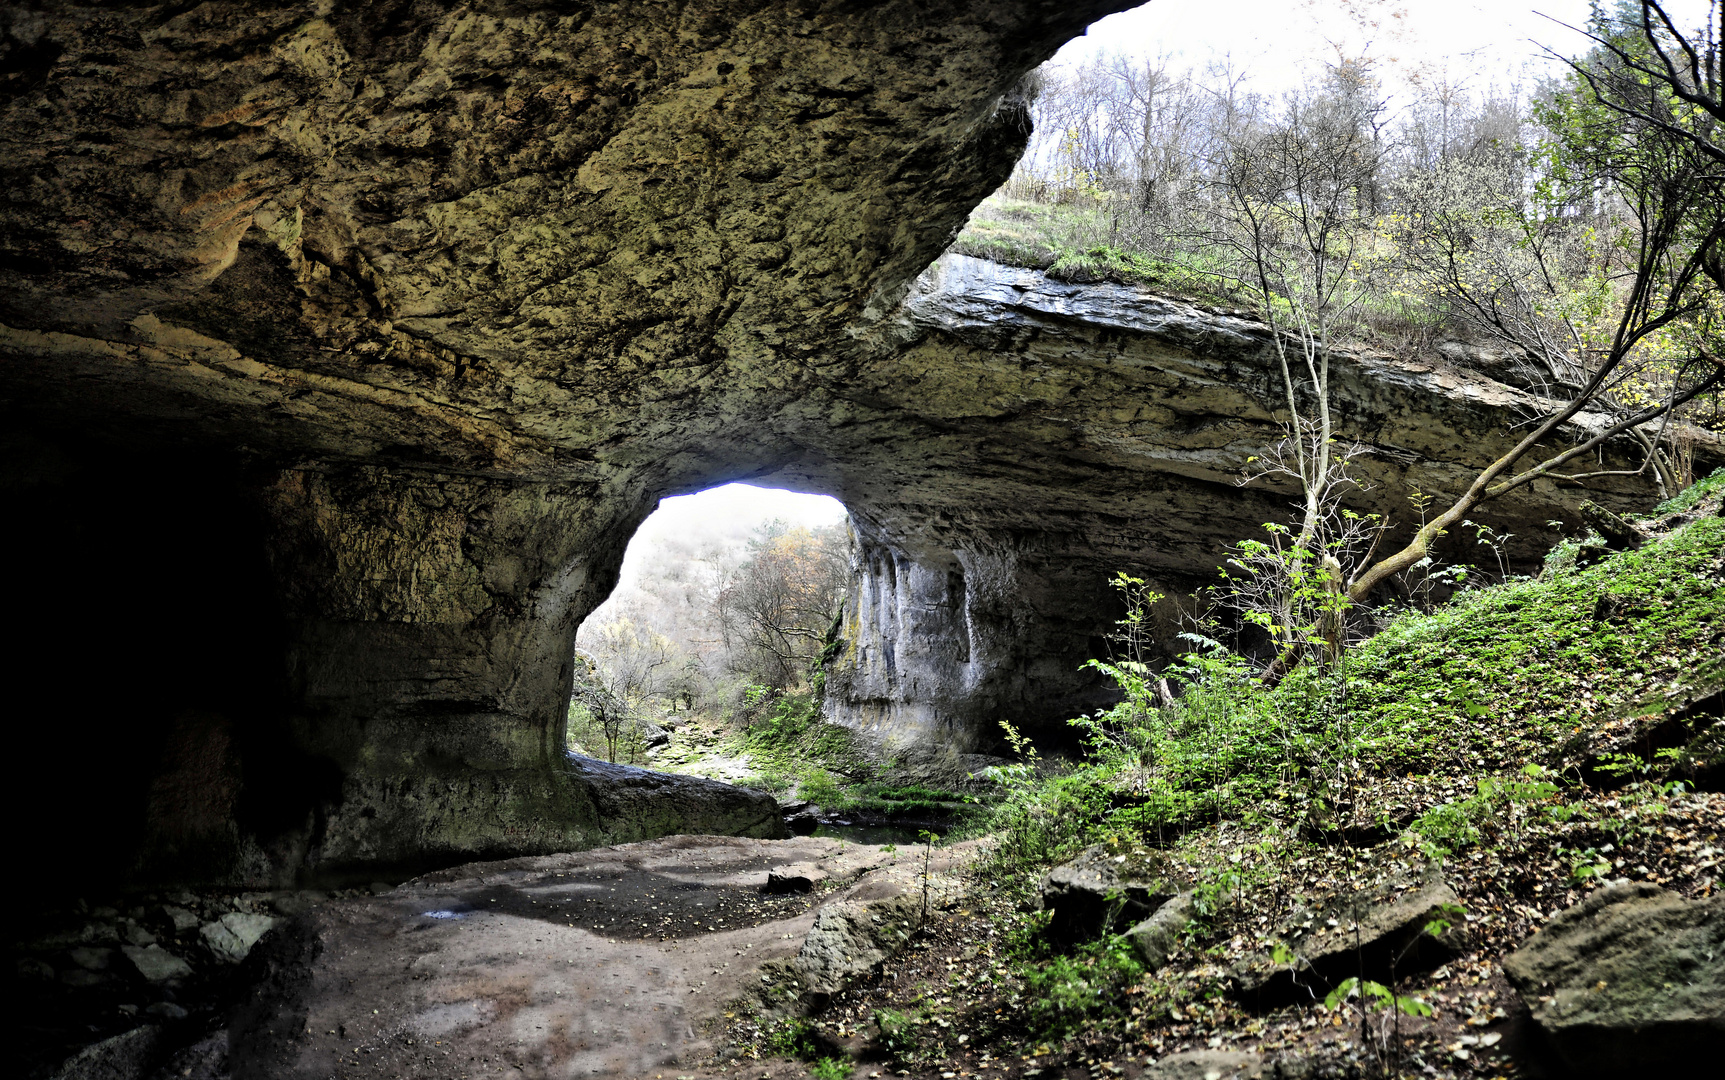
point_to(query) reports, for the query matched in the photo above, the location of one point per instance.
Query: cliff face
(1089, 429)
(344, 346)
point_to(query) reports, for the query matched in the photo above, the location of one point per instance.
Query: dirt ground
(618, 962)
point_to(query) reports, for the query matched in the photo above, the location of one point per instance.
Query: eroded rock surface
(1155, 938)
(1105, 890)
(609, 962)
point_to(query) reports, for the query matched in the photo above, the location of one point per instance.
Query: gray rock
(137, 935)
(795, 877)
(381, 888)
(167, 1010)
(1156, 937)
(92, 959)
(639, 804)
(232, 936)
(289, 904)
(1629, 981)
(1228, 1065)
(653, 737)
(206, 1059)
(1209, 1065)
(156, 963)
(803, 818)
(853, 937)
(32, 968)
(1105, 889)
(182, 919)
(78, 977)
(1379, 931)
(124, 1057)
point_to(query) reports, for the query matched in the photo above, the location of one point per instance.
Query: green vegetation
(1455, 737)
(1495, 684)
(1067, 992)
(1075, 242)
(1688, 499)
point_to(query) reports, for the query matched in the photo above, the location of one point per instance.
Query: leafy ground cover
(1484, 741)
(780, 743)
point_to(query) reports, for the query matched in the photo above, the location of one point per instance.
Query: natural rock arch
(383, 326)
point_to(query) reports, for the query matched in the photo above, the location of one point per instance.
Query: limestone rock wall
(1115, 426)
(343, 346)
(939, 650)
(412, 310)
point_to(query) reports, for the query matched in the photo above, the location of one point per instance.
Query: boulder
(156, 963)
(126, 1056)
(1628, 981)
(1380, 932)
(1104, 889)
(853, 937)
(795, 877)
(289, 904)
(636, 804)
(92, 959)
(1156, 937)
(181, 919)
(232, 936)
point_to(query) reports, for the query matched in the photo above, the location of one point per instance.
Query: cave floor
(608, 963)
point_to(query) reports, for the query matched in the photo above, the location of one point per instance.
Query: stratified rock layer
(342, 348)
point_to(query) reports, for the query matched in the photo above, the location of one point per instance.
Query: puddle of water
(444, 914)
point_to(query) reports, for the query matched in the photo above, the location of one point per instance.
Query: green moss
(1690, 497)
(1503, 676)
(1497, 686)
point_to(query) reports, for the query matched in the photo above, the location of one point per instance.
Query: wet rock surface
(1631, 978)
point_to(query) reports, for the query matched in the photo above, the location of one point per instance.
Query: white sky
(740, 507)
(727, 515)
(1280, 42)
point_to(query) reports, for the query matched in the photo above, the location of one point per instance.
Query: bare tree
(605, 708)
(1287, 203)
(776, 607)
(1640, 120)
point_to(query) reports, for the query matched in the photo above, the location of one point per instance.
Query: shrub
(1067, 993)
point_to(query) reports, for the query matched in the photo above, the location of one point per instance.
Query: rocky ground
(1496, 916)
(720, 957)
(616, 962)
(957, 1004)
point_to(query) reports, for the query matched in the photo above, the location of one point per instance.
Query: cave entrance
(724, 603)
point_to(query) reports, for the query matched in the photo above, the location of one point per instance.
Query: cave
(344, 346)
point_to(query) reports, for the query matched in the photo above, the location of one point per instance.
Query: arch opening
(723, 595)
